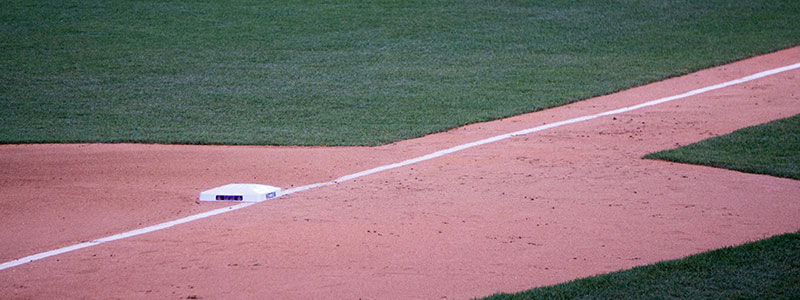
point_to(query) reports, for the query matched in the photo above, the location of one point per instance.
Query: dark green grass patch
(343, 72)
(772, 148)
(766, 269)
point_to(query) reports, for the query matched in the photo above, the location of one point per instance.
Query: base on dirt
(240, 192)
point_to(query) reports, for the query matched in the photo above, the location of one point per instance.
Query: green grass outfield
(766, 269)
(344, 72)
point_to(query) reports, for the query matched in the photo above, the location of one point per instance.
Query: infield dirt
(532, 210)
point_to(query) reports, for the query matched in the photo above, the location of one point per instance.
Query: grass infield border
(772, 149)
(344, 72)
(765, 269)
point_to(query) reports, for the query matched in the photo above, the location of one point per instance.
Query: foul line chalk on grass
(430, 156)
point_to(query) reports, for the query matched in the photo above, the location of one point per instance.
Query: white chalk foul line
(547, 126)
(123, 235)
(430, 156)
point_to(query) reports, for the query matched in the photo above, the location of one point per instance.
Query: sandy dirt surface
(528, 211)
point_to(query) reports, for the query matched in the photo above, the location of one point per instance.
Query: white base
(240, 193)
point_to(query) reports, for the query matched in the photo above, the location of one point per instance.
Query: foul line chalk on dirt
(430, 156)
(123, 235)
(543, 127)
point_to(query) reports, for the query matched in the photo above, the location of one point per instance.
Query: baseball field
(446, 150)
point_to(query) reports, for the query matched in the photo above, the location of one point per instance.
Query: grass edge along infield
(771, 148)
(344, 72)
(765, 269)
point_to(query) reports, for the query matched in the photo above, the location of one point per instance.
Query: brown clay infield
(528, 211)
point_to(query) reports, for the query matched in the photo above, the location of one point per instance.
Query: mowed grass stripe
(766, 269)
(344, 72)
(772, 149)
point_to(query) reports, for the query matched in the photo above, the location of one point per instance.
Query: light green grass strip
(344, 72)
(766, 269)
(772, 149)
